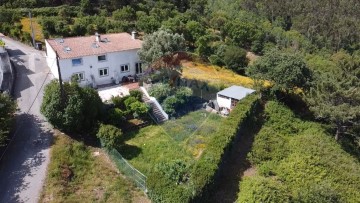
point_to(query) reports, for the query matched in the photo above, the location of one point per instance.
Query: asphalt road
(23, 166)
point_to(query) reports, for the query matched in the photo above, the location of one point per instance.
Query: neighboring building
(96, 60)
(229, 97)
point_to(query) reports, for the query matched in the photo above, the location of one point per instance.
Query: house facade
(229, 97)
(95, 60)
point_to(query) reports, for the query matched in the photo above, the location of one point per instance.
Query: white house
(96, 60)
(229, 97)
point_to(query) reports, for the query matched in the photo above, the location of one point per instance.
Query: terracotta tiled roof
(74, 47)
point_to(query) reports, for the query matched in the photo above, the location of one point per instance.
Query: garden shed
(228, 98)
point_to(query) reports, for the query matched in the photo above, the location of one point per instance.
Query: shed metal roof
(236, 92)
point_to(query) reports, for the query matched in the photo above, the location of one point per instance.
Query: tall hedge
(203, 173)
(205, 169)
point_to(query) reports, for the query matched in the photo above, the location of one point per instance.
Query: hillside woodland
(308, 149)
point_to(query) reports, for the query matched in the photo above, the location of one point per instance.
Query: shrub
(136, 94)
(258, 189)
(169, 105)
(128, 101)
(116, 116)
(119, 102)
(183, 94)
(160, 91)
(139, 108)
(110, 136)
(175, 170)
(77, 112)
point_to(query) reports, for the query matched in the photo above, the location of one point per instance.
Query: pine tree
(336, 96)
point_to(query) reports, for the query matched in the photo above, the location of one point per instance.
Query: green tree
(110, 136)
(336, 95)
(7, 110)
(77, 112)
(286, 71)
(159, 44)
(235, 59)
(124, 14)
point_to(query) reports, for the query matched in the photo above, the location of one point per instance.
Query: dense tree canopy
(78, 111)
(160, 43)
(336, 95)
(285, 71)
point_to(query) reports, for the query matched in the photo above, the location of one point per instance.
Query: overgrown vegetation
(171, 98)
(298, 162)
(75, 174)
(169, 155)
(7, 110)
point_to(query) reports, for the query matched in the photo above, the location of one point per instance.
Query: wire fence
(127, 169)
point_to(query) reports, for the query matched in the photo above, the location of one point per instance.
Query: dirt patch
(249, 172)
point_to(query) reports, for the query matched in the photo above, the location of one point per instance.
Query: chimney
(133, 35)
(97, 37)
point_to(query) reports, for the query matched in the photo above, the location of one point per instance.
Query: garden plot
(180, 139)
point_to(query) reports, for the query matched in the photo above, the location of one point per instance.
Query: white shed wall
(223, 103)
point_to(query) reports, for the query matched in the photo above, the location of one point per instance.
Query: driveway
(23, 166)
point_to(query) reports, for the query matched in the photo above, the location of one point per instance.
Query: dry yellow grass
(37, 28)
(214, 75)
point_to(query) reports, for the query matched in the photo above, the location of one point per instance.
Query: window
(76, 62)
(103, 72)
(138, 68)
(124, 68)
(102, 58)
(80, 76)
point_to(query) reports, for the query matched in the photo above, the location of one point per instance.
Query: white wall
(225, 103)
(51, 59)
(91, 65)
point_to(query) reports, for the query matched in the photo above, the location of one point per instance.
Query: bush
(183, 94)
(110, 136)
(160, 91)
(139, 108)
(130, 100)
(119, 102)
(258, 189)
(175, 170)
(77, 112)
(170, 105)
(137, 94)
(116, 116)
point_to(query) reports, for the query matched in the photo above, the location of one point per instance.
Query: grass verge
(78, 173)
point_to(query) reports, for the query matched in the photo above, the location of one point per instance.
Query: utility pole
(62, 93)
(32, 30)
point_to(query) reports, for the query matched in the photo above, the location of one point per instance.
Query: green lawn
(183, 138)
